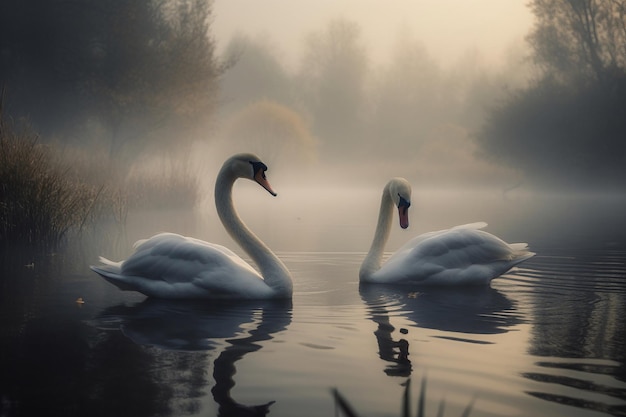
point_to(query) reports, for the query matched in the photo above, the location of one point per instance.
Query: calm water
(546, 339)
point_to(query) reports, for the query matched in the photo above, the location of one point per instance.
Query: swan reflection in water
(196, 326)
(464, 310)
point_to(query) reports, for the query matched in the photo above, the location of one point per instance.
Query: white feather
(172, 266)
(462, 255)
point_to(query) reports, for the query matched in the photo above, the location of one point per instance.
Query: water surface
(547, 338)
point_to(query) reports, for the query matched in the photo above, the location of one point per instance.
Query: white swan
(172, 266)
(463, 255)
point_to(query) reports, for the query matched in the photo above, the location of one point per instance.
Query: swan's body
(172, 266)
(463, 255)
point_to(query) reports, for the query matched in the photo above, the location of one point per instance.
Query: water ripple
(593, 271)
(583, 383)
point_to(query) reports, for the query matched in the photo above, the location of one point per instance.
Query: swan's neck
(272, 269)
(374, 258)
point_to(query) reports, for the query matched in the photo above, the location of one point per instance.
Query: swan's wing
(173, 266)
(458, 251)
(424, 236)
(471, 226)
(176, 259)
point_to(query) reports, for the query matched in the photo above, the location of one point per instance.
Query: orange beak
(403, 214)
(262, 180)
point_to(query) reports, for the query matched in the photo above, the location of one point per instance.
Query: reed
(40, 200)
(348, 410)
(47, 191)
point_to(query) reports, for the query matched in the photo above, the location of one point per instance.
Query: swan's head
(400, 192)
(249, 166)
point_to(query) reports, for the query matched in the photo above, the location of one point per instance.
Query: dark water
(548, 338)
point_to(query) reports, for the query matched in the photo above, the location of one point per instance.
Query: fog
(423, 76)
(116, 117)
(457, 97)
(448, 28)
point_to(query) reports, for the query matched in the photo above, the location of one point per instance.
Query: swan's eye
(258, 166)
(403, 202)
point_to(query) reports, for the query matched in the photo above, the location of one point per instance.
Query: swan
(176, 267)
(463, 255)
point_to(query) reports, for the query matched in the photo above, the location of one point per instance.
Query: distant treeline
(568, 128)
(134, 75)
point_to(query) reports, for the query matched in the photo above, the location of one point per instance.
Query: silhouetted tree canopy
(256, 73)
(332, 79)
(136, 71)
(577, 40)
(406, 103)
(568, 129)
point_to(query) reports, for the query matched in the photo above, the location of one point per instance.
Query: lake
(546, 339)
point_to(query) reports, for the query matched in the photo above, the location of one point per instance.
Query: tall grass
(47, 191)
(40, 199)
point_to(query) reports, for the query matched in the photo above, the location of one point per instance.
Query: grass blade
(422, 398)
(468, 409)
(406, 399)
(442, 407)
(343, 404)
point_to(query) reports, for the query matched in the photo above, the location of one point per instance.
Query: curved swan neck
(374, 258)
(272, 269)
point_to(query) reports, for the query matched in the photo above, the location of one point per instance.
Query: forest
(95, 88)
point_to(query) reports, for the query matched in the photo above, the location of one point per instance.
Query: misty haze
(117, 117)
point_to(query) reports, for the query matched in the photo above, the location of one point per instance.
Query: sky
(448, 28)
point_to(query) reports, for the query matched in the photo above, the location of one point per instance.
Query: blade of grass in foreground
(343, 404)
(348, 411)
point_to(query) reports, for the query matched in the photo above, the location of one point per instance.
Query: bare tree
(568, 126)
(332, 75)
(575, 39)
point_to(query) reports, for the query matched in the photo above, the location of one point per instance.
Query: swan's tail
(520, 252)
(519, 247)
(110, 265)
(112, 272)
